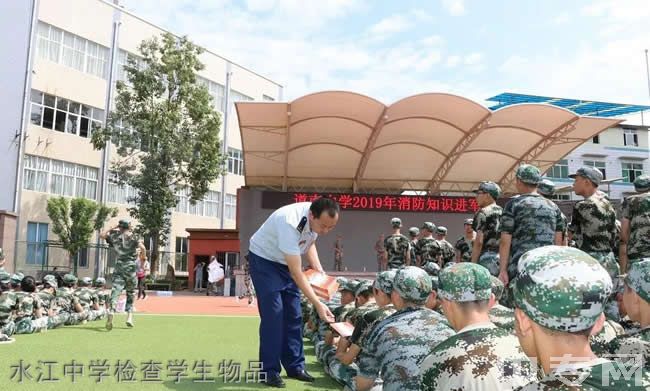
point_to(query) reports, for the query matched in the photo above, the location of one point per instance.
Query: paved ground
(186, 302)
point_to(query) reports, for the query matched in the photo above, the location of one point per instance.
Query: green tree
(74, 222)
(168, 134)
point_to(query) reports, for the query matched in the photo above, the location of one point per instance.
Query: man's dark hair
(324, 204)
(368, 293)
(478, 305)
(4, 287)
(14, 285)
(28, 284)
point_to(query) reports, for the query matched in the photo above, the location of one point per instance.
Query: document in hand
(323, 285)
(344, 329)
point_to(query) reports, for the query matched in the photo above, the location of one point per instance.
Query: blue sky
(589, 49)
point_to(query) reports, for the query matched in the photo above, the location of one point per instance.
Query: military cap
(546, 187)
(642, 183)
(50, 280)
(489, 187)
(86, 281)
(341, 280)
(528, 174)
(465, 281)
(412, 284)
(468, 222)
(124, 223)
(429, 226)
(362, 286)
(69, 278)
(384, 281)
(441, 230)
(638, 278)
(350, 285)
(431, 268)
(5, 277)
(497, 287)
(396, 222)
(100, 281)
(16, 278)
(561, 288)
(414, 231)
(591, 173)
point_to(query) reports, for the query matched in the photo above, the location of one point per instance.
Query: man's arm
(105, 234)
(622, 249)
(312, 258)
(295, 268)
(477, 246)
(504, 255)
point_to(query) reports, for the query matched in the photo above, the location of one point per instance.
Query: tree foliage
(74, 221)
(166, 132)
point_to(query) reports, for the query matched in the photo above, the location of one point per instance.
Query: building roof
(441, 143)
(578, 106)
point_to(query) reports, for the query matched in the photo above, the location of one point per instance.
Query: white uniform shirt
(285, 232)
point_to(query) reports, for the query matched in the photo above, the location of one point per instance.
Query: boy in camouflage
(398, 344)
(501, 315)
(88, 298)
(465, 243)
(546, 187)
(593, 222)
(397, 246)
(635, 224)
(125, 243)
(637, 304)
(560, 294)
(486, 224)
(103, 296)
(29, 313)
(414, 235)
(447, 250)
(427, 247)
(481, 356)
(68, 302)
(47, 296)
(7, 305)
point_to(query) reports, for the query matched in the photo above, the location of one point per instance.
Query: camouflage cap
(86, 281)
(638, 278)
(5, 277)
(497, 287)
(341, 280)
(396, 222)
(69, 278)
(465, 281)
(489, 187)
(384, 281)
(50, 280)
(642, 183)
(100, 281)
(350, 285)
(16, 278)
(431, 268)
(412, 284)
(429, 226)
(468, 222)
(441, 230)
(414, 231)
(561, 288)
(124, 223)
(591, 173)
(528, 174)
(362, 286)
(546, 187)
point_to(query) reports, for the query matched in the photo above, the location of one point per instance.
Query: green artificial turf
(155, 339)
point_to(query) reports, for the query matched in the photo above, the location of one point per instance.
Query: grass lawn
(153, 342)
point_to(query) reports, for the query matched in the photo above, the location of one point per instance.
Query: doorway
(204, 276)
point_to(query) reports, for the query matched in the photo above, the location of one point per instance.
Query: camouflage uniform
(464, 247)
(66, 301)
(413, 235)
(501, 315)
(600, 342)
(532, 220)
(487, 221)
(396, 246)
(398, 344)
(48, 302)
(593, 225)
(638, 279)
(248, 284)
(428, 250)
(325, 352)
(636, 209)
(481, 355)
(7, 308)
(125, 245)
(565, 289)
(87, 298)
(103, 296)
(26, 322)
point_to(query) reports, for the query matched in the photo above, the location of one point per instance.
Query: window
(631, 171)
(209, 206)
(211, 203)
(123, 58)
(596, 139)
(181, 254)
(183, 200)
(117, 194)
(595, 164)
(235, 161)
(60, 178)
(216, 90)
(559, 170)
(82, 258)
(36, 243)
(63, 115)
(630, 137)
(71, 50)
(561, 197)
(231, 207)
(267, 98)
(236, 96)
